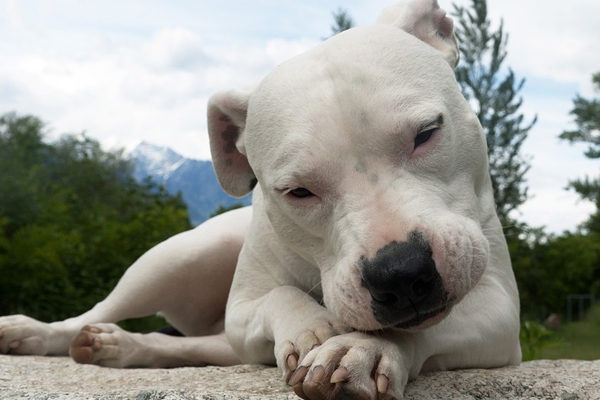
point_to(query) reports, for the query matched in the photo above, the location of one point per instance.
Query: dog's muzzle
(405, 286)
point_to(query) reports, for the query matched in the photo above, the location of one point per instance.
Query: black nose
(404, 283)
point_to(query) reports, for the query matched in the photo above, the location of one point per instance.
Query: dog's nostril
(386, 299)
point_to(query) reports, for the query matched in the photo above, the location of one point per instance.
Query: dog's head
(371, 165)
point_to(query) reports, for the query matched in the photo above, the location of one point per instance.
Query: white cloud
(175, 49)
(552, 39)
(279, 50)
(554, 209)
(123, 89)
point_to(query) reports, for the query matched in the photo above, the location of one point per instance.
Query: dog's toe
(83, 346)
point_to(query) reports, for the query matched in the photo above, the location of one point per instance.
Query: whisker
(315, 286)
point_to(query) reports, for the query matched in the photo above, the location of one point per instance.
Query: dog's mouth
(412, 318)
(425, 319)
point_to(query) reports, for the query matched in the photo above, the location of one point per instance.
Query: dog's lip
(421, 318)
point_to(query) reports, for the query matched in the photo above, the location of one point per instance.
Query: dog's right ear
(227, 113)
(428, 22)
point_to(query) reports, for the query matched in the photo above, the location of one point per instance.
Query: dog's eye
(301, 193)
(423, 137)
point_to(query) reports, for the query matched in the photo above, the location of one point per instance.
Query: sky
(132, 71)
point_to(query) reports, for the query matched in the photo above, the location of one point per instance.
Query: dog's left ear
(226, 123)
(428, 22)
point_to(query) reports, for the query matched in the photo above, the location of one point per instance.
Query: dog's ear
(428, 22)
(226, 123)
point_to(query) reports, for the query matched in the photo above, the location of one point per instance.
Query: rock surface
(58, 378)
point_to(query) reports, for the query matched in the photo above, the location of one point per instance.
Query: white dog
(373, 251)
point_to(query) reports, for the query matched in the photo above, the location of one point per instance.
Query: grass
(577, 340)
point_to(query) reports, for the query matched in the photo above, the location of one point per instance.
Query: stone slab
(59, 378)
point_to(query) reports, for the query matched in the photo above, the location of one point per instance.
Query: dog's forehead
(365, 58)
(361, 81)
(370, 67)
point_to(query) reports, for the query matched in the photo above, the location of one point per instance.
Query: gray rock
(59, 378)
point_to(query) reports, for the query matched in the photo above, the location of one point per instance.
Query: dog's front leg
(270, 324)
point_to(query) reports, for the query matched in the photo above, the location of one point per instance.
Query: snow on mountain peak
(157, 161)
(194, 179)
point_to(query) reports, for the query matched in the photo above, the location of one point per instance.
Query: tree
(587, 119)
(20, 147)
(496, 102)
(72, 220)
(342, 21)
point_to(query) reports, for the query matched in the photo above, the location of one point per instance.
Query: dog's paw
(292, 346)
(23, 335)
(108, 345)
(352, 366)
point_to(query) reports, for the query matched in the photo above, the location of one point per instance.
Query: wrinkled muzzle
(412, 283)
(405, 286)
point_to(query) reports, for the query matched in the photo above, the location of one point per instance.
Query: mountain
(195, 179)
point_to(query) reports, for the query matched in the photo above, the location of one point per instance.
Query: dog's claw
(299, 390)
(339, 375)
(298, 376)
(382, 384)
(318, 374)
(292, 362)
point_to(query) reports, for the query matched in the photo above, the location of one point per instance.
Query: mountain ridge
(194, 179)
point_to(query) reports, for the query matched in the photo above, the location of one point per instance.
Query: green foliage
(534, 338)
(222, 209)
(72, 219)
(496, 102)
(548, 268)
(587, 119)
(342, 21)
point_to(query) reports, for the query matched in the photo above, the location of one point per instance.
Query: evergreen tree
(495, 100)
(587, 119)
(342, 21)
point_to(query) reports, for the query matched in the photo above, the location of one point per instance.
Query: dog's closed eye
(427, 131)
(301, 193)
(423, 137)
